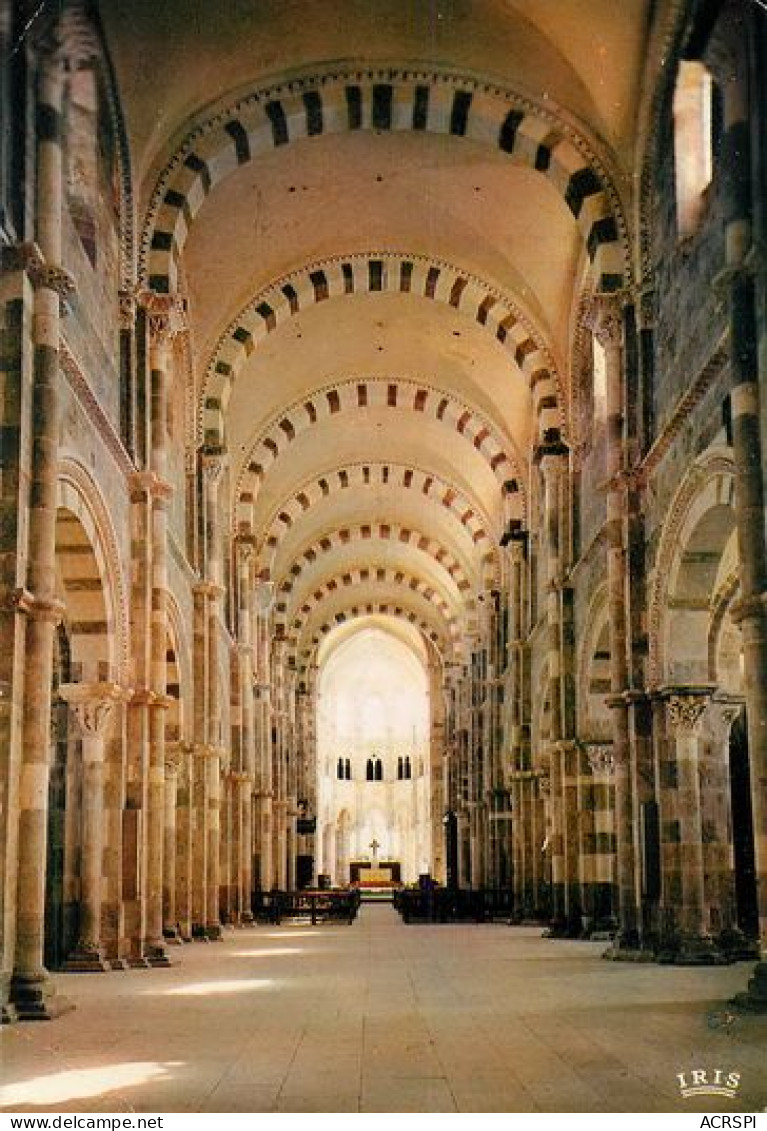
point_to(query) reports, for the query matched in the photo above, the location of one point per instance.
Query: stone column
(170, 927)
(214, 463)
(741, 280)
(91, 705)
(184, 839)
(608, 328)
(213, 874)
(595, 835)
(247, 745)
(686, 900)
(165, 318)
(199, 805)
(31, 987)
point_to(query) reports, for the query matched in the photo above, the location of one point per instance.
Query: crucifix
(375, 846)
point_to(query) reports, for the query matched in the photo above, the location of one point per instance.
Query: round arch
(93, 582)
(699, 524)
(437, 102)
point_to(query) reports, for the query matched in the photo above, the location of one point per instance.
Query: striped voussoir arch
(355, 395)
(372, 273)
(357, 578)
(303, 649)
(81, 573)
(379, 101)
(366, 532)
(376, 477)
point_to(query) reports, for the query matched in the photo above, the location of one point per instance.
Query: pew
(305, 906)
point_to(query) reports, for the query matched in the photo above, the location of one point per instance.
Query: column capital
(600, 758)
(25, 257)
(214, 461)
(166, 315)
(91, 705)
(604, 317)
(128, 304)
(148, 485)
(208, 589)
(53, 277)
(685, 707)
(753, 608)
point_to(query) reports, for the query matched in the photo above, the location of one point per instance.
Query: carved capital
(91, 705)
(544, 785)
(166, 316)
(604, 317)
(79, 42)
(26, 257)
(128, 303)
(53, 277)
(214, 462)
(600, 759)
(685, 712)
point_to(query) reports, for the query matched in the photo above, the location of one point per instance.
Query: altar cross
(375, 846)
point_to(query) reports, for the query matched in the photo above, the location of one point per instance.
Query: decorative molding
(90, 405)
(689, 400)
(26, 257)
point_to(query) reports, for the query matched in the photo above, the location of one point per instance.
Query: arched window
(340, 768)
(369, 774)
(379, 770)
(408, 769)
(348, 769)
(599, 375)
(697, 113)
(399, 769)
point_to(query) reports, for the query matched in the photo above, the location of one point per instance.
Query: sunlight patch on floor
(219, 986)
(277, 951)
(82, 1083)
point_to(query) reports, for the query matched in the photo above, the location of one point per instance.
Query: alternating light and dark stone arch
(376, 273)
(395, 99)
(372, 533)
(397, 394)
(374, 476)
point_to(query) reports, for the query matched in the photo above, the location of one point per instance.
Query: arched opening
(702, 649)
(374, 703)
(82, 696)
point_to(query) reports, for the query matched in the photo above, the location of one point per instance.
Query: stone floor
(382, 1017)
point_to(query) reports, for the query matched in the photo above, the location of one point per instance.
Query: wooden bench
(306, 906)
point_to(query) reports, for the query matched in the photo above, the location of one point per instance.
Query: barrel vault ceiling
(383, 215)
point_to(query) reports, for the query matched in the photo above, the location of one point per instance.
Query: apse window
(697, 132)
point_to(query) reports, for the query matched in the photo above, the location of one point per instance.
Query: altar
(375, 872)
